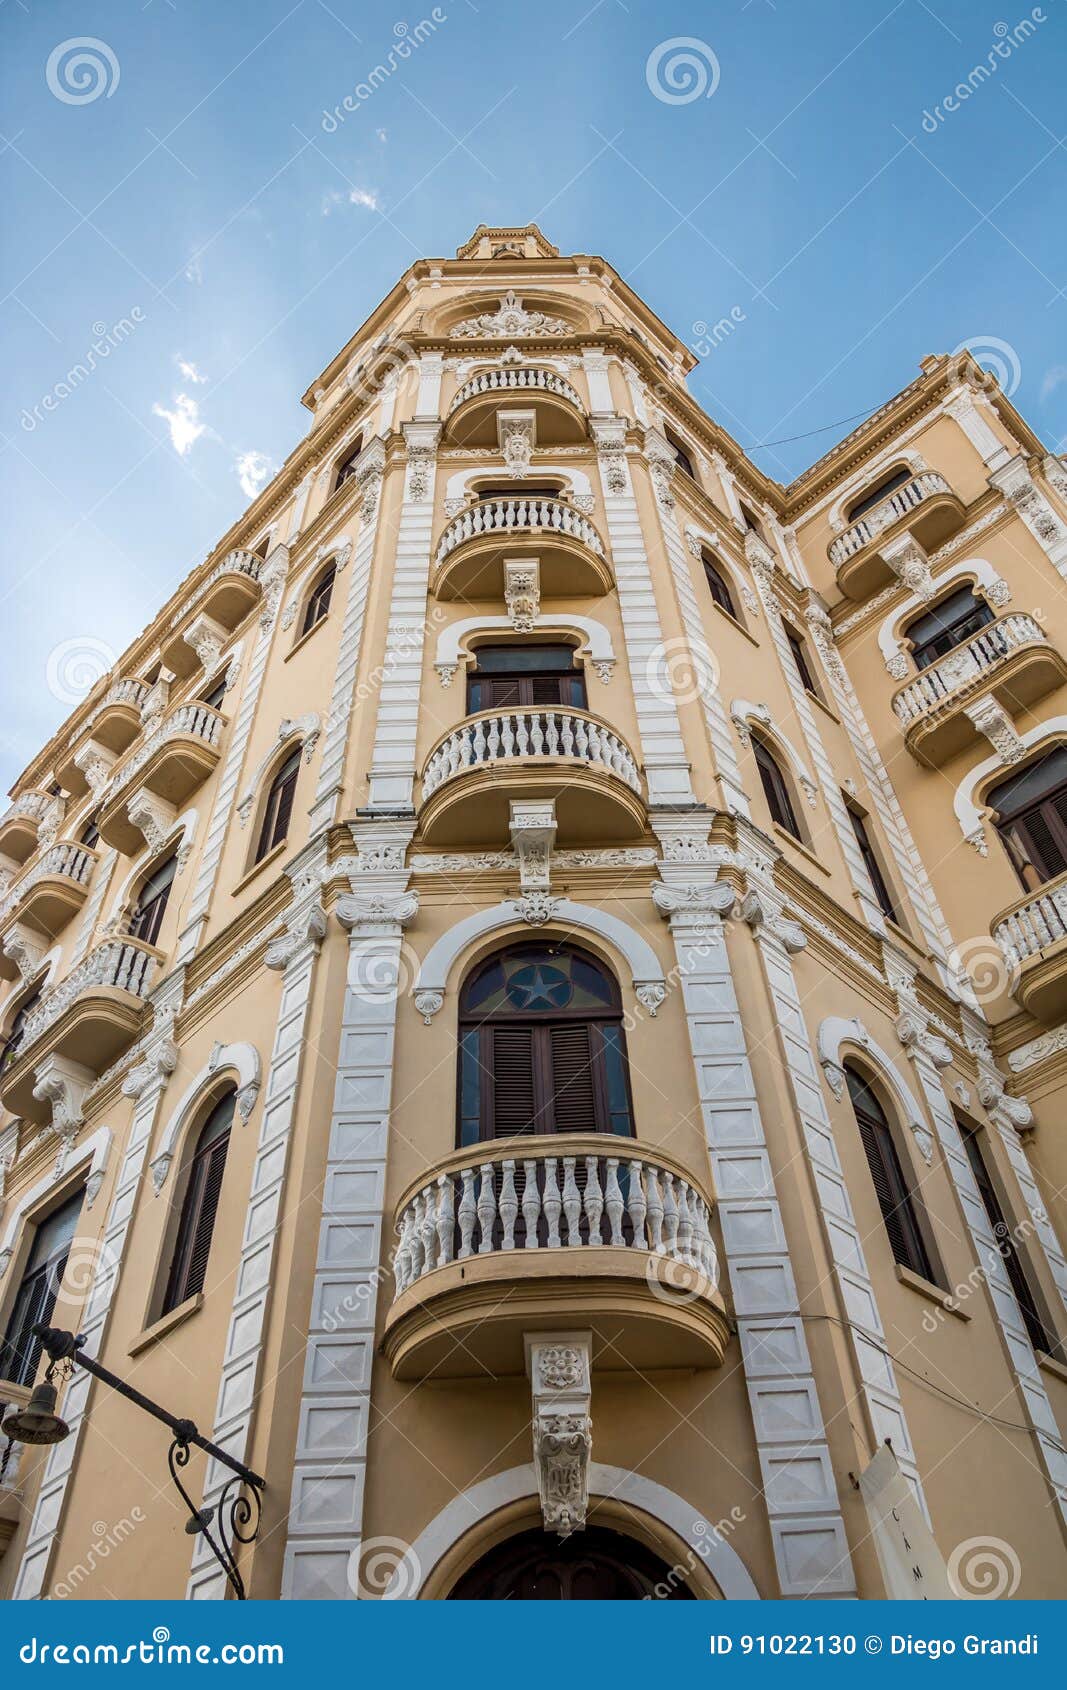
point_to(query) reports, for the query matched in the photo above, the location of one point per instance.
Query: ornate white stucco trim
(451, 649)
(577, 482)
(241, 1061)
(303, 731)
(743, 713)
(835, 1032)
(615, 1484)
(979, 569)
(432, 983)
(970, 816)
(93, 1151)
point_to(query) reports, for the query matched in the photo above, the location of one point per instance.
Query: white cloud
(184, 423)
(193, 271)
(190, 372)
(381, 135)
(253, 471)
(1055, 377)
(366, 197)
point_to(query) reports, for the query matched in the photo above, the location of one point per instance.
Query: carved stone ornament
(428, 1003)
(159, 1059)
(522, 592)
(63, 1084)
(446, 673)
(992, 720)
(766, 920)
(910, 564)
(376, 914)
(559, 1369)
(533, 833)
(304, 930)
(95, 762)
(207, 638)
(650, 993)
(605, 668)
(511, 321)
(517, 434)
(609, 435)
(25, 949)
(535, 908)
(151, 816)
(698, 908)
(1017, 485)
(836, 1078)
(662, 465)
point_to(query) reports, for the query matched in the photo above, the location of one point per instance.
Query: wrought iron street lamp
(233, 1520)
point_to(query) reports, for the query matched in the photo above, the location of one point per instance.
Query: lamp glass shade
(38, 1422)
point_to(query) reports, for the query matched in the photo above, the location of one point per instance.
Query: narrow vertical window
(1005, 1241)
(279, 806)
(201, 1184)
(37, 1292)
(775, 790)
(871, 863)
(898, 1207)
(152, 903)
(319, 602)
(719, 586)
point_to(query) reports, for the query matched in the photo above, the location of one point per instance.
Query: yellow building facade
(534, 994)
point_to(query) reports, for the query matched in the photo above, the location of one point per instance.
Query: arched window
(346, 469)
(541, 1047)
(1031, 819)
(38, 1290)
(10, 1047)
(319, 602)
(951, 622)
(1007, 1242)
(278, 808)
(799, 652)
(216, 693)
(594, 1565)
(681, 456)
(200, 1183)
(151, 906)
(899, 1211)
(881, 490)
(89, 834)
(718, 585)
(871, 860)
(775, 789)
(751, 521)
(513, 676)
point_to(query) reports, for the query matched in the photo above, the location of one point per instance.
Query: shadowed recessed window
(881, 490)
(524, 676)
(38, 1290)
(718, 585)
(1031, 819)
(152, 901)
(319, 602)
(775, 789)
(278, 809)
(948, 625)
(200, 1181)
(898, 1207)
(542, 1047)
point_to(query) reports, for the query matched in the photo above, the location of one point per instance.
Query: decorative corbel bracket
(559, 1366)
(522, 592)
(517, 436)
(206, 637)
(768, 920)
(533, 833)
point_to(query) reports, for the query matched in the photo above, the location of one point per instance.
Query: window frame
(912, 1249)
(1014, 827)
(50, 1273)
(887, 485)
(871, 861)
(719, 585)
(929, 650)
(799, 652)
(777, 791)
(315, 609)
(681, 454)
(193, 1190)
(147, 918)
(1031, 1303)
(346, 466)
(278, 802)
(522, 679)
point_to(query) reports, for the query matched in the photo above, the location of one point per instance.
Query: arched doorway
(595, 1565)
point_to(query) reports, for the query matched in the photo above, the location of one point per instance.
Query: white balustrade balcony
(174, 759)
(562, 753)
(224, 598)
(468, 562)
(88, 1018)
(514, 380)
(893, 509)
(28, 815)
(486, 1241)
(1031, 935)
(558, 412)
(1010, 658)
(50, 890)
(925, 507)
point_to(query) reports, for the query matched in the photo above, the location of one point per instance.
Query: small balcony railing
(540, 1201)
(28, 818)
(128, 692)
(237, 566)
(510, 518)
(125, 964)
(529, 734)
(515, 381)
(67, 862)
(188, 721)
(930, 484)
(958, 671)
(1033, 927)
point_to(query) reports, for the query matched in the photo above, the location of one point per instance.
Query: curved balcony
(568, 755)
(171, 764)
(90, 1017)
(1011, 658)
(925, 506)
(558, 410)
(1032, 934)
(114, 723)
(469, 563)
(523, 1234)
(224, 599)
(48, 894)
(21, 823)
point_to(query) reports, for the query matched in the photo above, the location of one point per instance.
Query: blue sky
(816, 187)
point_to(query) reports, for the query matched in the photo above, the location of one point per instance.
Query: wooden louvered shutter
(509, 1057)
(189, 1268)
(572, 1090)
(894, 1200)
